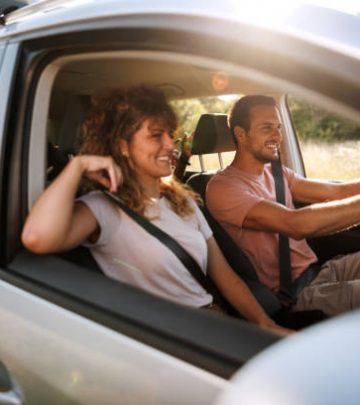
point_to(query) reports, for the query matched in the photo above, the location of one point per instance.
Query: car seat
(62, 140)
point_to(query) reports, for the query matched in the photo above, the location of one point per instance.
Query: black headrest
(212, 135)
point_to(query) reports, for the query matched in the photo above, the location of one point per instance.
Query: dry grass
(335, 161)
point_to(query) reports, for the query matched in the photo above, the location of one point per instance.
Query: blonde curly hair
(119, 115)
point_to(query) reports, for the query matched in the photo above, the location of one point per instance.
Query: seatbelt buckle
(286, 299)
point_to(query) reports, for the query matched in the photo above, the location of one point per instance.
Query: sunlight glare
(266, 12)
(273, 13)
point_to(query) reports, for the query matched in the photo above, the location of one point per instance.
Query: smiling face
(263, 138)
(150, 150)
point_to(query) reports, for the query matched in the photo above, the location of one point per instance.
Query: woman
(127, 147)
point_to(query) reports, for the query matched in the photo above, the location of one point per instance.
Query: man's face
(264, 135)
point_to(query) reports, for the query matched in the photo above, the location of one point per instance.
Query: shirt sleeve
(202, 222)
(291, 177)
(105, 213)
(229, 204)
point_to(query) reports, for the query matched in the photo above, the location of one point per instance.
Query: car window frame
(223, 346)
(39, 47)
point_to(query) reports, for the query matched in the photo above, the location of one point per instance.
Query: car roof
(309, 22)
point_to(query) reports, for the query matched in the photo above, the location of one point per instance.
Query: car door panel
(58, 356)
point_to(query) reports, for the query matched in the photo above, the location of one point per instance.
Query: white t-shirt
(127, 252)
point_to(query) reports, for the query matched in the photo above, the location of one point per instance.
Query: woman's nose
(168, 141)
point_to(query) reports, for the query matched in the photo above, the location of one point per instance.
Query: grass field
(335, 161)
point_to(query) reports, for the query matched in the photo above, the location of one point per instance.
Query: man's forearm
(326, 218)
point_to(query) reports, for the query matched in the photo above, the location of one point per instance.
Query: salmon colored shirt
(231, 194)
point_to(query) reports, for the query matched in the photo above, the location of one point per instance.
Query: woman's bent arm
(236, 291)
(55, 222)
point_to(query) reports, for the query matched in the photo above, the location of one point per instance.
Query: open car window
(329, 144)
(60, 97)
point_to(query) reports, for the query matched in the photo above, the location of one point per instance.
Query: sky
(348, 6)
(275, 13)
(268, 9)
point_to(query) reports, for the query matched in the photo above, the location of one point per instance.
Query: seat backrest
(212, 135)
(62, 137)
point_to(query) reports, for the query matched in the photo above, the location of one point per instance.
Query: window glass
(189, 111)
(330, 145)
(210, 161)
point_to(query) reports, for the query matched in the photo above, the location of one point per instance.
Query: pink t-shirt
(230, 195)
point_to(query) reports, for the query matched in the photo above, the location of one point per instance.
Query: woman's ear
(239, 133)
(124, 148)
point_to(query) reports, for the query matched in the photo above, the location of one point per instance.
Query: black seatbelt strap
(186, 259)
(285, 276)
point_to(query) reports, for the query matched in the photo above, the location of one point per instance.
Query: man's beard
(261, 157)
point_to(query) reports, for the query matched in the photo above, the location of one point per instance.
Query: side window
(189, 112)
(211, 162)
(330, 145)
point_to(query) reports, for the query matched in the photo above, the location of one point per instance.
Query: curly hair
(119, 115)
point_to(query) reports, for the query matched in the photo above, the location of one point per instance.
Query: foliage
(312, 123)
(189, 111)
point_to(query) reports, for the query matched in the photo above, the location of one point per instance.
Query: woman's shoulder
(97, 201)
(92, 196)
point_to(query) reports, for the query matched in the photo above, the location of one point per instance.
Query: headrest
(76, 109)
(212, 135)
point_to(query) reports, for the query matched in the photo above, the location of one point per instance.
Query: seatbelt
(285, 276)
(186, 259)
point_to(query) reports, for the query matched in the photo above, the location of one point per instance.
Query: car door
(69, 334)
(57, 355)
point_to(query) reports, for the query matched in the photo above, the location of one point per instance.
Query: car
(68, 333)
(322, 376)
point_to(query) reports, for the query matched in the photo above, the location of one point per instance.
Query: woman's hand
(102, 169)
(233, 288)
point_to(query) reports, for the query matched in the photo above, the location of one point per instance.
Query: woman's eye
(157, 135)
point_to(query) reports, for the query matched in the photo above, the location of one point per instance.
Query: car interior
(80, 79)
(60, 100)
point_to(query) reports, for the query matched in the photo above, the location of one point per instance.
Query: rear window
(189, 112)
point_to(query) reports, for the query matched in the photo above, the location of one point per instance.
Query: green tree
(313, 123)
(189, 111)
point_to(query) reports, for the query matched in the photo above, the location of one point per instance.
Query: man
(242, 199)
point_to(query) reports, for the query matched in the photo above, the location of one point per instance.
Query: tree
(189, 111)
(313, 123)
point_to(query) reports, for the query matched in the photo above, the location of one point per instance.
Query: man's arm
(313, 191)
(310, 221)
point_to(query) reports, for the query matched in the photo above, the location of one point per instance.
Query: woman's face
(150, 149)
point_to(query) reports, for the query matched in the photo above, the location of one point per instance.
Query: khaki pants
(336, 289)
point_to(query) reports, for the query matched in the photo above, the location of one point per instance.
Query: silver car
(68, 334)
